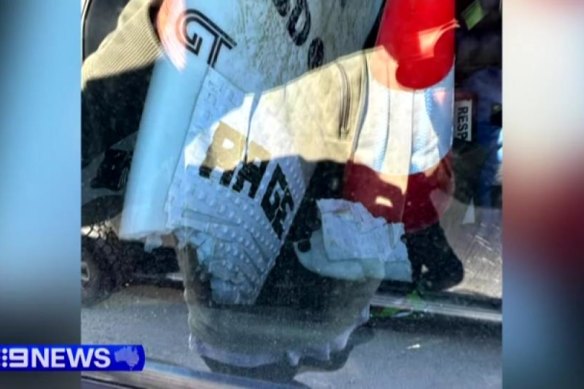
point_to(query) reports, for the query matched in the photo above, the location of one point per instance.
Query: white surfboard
(255, 45)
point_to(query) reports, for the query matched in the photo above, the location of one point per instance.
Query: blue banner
(127, 357)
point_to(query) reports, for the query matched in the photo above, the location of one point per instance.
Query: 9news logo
(72, 358)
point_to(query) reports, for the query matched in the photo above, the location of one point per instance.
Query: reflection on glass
(288, 172)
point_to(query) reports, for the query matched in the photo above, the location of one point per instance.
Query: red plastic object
(419, 35)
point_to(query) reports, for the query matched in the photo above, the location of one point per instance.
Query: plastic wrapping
(353, 245)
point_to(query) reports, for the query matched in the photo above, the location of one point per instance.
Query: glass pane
(296, 190)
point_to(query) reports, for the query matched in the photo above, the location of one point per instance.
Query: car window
(295, 191)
